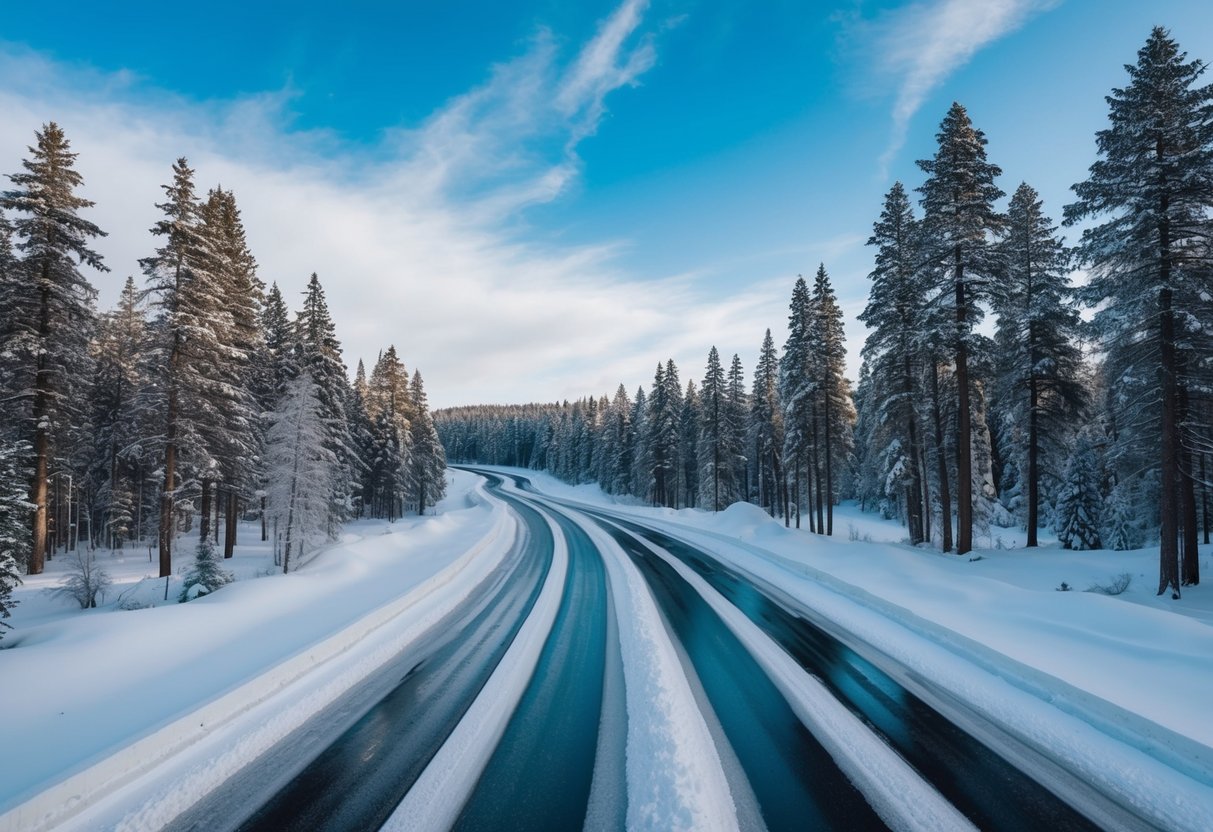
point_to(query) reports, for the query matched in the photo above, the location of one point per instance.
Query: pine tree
(185, 352)
(319, 353)
(738, 405)
(1040, 387)
(959, 220)
(834, 393)
(1153, 185)
(53, 306)
(206, 575)
(894, 360)
(1079, 505)
(15, 513)
(714, 471)
(692, 410)
(429, 460)
(302, 466)
(1119, 527)
(796, 393)
(766, 426)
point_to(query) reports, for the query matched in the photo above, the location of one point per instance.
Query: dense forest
(198, 400)
(1096, 425)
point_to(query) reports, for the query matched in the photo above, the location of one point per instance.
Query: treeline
(784, 444)
(1100, 429)
(197, 399)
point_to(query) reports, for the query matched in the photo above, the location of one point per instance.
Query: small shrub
(852, 533)
(976, 558)
(1118, 585)
(85, 580)
(1064, 587)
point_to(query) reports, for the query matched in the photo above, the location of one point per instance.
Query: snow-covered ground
(86, 684)
(1115, 687)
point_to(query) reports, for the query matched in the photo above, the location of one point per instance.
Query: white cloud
(921, 44)
(421, 249)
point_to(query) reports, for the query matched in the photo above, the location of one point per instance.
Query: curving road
(562, 760)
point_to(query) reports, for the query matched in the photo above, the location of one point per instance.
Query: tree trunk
(264, 529)
(964, 428)
(41, 417)
(1033, 474)
(829, 492)
(229, 528)
(204, 515)
(914, 503)
(1168, 508)
(945, 495)
(1204, 501)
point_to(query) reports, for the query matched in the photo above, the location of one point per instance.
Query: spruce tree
(959, 222)
(205, 575)
(52, 307)
(766, 427)
(892, 354)
(429, 460)
(1040, 386)
(319, 353)
(834, 393)
(714, 470)
(689, 427)
(1079, 505)
(796, 392)
(738, 405)
(184, 351)
(1153, 188)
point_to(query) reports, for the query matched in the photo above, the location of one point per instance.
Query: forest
(1008, 376)
(197, 401)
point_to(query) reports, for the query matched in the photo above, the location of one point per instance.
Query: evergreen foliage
(205, 575)
(1079, 504)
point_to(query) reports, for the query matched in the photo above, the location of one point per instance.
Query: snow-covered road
(561, 663)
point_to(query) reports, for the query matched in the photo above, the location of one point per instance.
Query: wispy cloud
(416, 240)
(921, 44)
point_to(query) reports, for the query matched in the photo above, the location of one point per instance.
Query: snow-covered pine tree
(52, 309)
(302, 467)
(642, 469)
(688, 427)
(618, 445)
(429, 459)
(738, 403)
(390, 407)
(319, 352)
(1153, 186)
(278, 341)
(796, 394)
(766, 427)
(895, 363)
(837, 409)
(1119, 527)
(715, 472)
(959, 222)
(205, 575)
(184, 350)
(1079, 505)
(15, 513)
(1040, 390)
(235, 381)
(662, 422)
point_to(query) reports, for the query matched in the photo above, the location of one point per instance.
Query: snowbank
(171, 677)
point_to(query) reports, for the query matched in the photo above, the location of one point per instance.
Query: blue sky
(536, 200)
